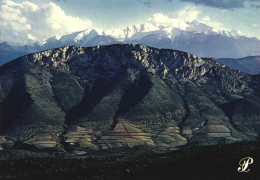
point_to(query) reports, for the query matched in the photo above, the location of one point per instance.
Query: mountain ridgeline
(249, 65)
(106, 98)
(195, 37)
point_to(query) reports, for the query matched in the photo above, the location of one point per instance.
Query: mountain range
(83, 100)
(249, 65)
(193, 37)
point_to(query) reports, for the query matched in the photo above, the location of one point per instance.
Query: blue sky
(39, 19)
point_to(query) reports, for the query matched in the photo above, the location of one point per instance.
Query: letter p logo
(243, 164)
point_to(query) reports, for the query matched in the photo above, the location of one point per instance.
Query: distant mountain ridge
(10, 52)
(249, 65)
(193, 37)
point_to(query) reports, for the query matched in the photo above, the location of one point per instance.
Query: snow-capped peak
(148, 34)
(148, 27)
(116, 33)
(78, 36)
(229, 33)
(198, 27)
(137, 32)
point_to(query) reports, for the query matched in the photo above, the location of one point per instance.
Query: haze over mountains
(249, 65)
(193, 37)
(89, 99)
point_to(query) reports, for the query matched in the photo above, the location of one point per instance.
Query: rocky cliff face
(108, 98)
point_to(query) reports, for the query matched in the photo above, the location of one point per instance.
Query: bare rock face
(108, 98)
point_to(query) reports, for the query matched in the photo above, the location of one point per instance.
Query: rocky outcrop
(81, 100)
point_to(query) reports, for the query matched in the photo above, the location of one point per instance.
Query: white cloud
(188, 14)
(180, 19)
(27, 22)
(215, 25)
(177, 19)
(159, 18)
